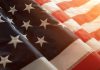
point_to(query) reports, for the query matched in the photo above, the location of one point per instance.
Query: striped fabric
(57, 12)
(40, 64)
(86, 13)
(60, 46)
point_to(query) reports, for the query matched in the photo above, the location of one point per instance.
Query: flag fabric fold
(85, 12)
(33, 54)
(63, 48)
(56, 11)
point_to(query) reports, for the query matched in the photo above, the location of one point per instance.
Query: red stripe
(96, 34)
(89, 16)
(74, 3)
(41, 2)
(92, 62)
(85, 36)
(60, 15)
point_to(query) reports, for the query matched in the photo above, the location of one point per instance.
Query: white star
(12, 10)
(25, 36)
(15, 40)
(4, 60)
(26, 24)
(41, 41)
(9, 20)
(44, 23)
(1, 20)
(29, 7)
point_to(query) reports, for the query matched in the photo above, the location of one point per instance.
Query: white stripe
(59, 1)
(92, 26)
(72, 25)
(95, 45)
(71, 55)
(40, 64)
(73, 11)
(51, 7)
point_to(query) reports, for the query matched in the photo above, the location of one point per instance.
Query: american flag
(57, 9)
(39, 22)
